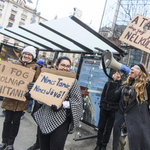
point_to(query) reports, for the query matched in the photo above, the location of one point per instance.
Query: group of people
(124, 107)
(54, 123)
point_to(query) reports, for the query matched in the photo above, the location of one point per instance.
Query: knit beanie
(31, 50)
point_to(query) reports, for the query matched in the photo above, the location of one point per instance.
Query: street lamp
(34, 11)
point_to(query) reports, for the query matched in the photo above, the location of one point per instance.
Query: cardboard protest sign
(137, 33)
(14, 79)
(52, 88)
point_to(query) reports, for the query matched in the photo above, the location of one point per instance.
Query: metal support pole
(34, 12)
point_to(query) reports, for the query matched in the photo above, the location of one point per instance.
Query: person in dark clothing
(132, 121)
(108, 108)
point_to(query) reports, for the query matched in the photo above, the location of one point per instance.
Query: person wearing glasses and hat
(14, 108)
(132, 120)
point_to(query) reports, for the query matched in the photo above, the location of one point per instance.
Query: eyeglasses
(28, 54)
(63, 65)
(135, 67)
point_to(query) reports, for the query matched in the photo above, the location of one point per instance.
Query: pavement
(27, 135)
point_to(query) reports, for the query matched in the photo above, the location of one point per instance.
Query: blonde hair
(140, 85)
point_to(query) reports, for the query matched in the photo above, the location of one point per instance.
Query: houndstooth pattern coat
(48, 120)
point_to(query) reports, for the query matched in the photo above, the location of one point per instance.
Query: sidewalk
(27, 135)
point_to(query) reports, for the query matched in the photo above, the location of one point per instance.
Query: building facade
(117, 15)
(16, 13)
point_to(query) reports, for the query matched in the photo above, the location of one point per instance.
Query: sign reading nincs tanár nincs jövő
(14, 79)
(137, 33)
(51, 88)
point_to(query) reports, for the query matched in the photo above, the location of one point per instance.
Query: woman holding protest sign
(14, 108)
(132, 120)
(55, 124)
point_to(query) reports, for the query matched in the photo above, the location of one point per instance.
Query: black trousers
(56, 139)
(11, 126)
(105, 126)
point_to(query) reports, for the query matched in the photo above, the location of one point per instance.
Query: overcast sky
(91, 10)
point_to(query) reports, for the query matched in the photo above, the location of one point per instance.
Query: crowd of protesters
(124, 108)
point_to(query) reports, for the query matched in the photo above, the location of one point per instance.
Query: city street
(27, 135)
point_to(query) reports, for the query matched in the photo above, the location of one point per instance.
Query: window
(24, 14)
(12, 17)
(9, 24)
(23, 21)
(2, 3)
(0, 12)
(14, 9)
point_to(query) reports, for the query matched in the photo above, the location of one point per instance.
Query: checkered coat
(48, 120)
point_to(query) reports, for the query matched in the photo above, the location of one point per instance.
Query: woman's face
(134, 72)
(64, 65)
(27, 56)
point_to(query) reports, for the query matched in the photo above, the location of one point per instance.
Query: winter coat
(108, 100)
(48, 120)
(16, 105)
(137, 119)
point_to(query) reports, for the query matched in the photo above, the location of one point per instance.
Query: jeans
(56, 139)
(105, 126)
(11, 126)
(30, 105)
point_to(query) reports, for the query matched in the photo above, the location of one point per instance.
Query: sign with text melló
(52, 86)
(14, 79)
(137, 33)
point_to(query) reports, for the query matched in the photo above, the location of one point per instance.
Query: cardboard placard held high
(137, 33)
(14, 79)
(51, 88)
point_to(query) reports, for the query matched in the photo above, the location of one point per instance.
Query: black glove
(28, 96)
(30, 85)
(54, 108)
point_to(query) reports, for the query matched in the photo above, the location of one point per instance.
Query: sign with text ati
(137, 33)
(52, 86)
(14, 79)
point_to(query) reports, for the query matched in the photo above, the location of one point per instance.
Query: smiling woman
(55, 123)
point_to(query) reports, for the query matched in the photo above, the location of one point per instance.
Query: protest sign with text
(14, 79)
(137, 33)
(52, 86)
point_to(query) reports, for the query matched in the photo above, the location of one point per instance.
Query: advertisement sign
(137, 33)
(92, 80)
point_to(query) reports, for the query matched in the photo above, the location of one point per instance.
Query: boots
(9, 147)
(34, 147)
(2, 146)
(103, 148)
(97, 147)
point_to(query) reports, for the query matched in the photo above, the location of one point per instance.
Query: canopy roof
(67, 34)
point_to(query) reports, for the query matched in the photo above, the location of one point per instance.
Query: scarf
(128, 92)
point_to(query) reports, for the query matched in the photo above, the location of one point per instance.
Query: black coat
(108, 100)
(137, 119)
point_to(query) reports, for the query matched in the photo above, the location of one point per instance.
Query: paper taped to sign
(52, 88)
